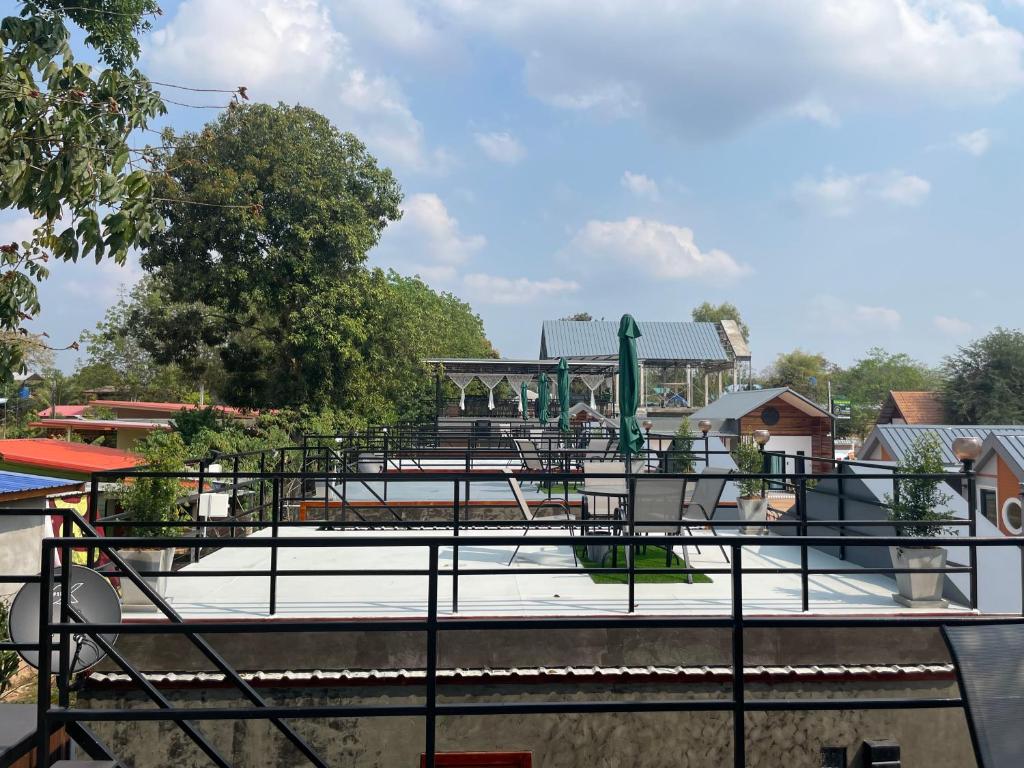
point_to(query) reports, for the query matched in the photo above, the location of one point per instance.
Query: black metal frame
(432, 624)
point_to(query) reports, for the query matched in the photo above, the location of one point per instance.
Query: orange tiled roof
(920, 407)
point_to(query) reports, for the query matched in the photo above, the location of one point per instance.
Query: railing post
(801, 500)
(384, 465)
(455, 549)
(91, 514)
(841, 507)
(274, 518)
(263, 493)
(630, 553)
(739, 734)
(198, 530)
(64, 640)
(431, 671)
(234, 496)
(972, 528)
(45, 652)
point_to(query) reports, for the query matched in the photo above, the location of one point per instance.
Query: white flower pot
(919, 590)
(752, 509)
(132, 597)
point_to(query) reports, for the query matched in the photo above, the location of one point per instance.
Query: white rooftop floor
(518, 594)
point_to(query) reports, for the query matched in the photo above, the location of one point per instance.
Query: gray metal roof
(668, 341)
(1010, 447)
(897, 438)
(736, 405)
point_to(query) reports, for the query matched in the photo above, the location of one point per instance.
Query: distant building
(57, 458)
(798, 426)
(890, 442)
(1000, 474)
(913, 407)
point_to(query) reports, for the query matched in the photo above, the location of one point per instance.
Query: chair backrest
(517, 494)
(593, 482)
(529, 454)
(658, 499)
(597, 448)
(991, 681)
(706, 495)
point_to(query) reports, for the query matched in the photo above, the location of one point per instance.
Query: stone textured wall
(936, 738)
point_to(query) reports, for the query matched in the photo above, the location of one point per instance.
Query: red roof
(144, 405)
(97, 425)
(72, 457)
(63, 411)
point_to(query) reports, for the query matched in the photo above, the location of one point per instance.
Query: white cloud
(877, 317)
(495, 289)
(952, 326)
(841, 194)
(16, 228)
(660, 250)
(666, 62)
(289, 50)
(501, 146)
(975, 143)
(641, 185)
(428, 239)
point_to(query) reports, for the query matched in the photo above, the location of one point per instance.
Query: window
(1012, 515)
(989, 507)
(481, 759)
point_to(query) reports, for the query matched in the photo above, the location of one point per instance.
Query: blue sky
(846, 171)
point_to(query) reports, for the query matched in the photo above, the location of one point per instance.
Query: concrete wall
(21, 539)
(934, 738)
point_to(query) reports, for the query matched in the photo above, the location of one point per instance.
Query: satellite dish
(91, 595)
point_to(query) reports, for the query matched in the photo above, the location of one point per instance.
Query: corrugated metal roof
(59, 455)
(16, 482)
(735, 405)
(682, 341)
(898, 438)
(518, 673)
(1010, 447)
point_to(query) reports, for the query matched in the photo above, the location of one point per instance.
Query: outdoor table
(567, 455)
(617, 516)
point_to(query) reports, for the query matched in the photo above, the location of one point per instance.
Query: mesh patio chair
(529, 514)
(530, 456)
(605, 505)
(597, 448)
(660, 500)
(700, 510)
(991, 679)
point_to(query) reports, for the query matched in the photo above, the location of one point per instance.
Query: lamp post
(647, 424)
(704, 425)
(761, 437)
(967, 450)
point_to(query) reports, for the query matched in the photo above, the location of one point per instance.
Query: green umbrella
(563, 394)
(525, 400)
(544, 397)
(631, 439)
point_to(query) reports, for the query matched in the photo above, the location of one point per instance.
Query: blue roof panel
(16, 482)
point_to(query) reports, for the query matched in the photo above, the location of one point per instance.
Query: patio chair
(660, 500)
(530, 456)
(529, 514)
(597, 448)
(702, 505)
(991, 680)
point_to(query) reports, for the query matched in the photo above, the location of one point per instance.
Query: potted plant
(921, 501)
(752, 504)
(152, 500)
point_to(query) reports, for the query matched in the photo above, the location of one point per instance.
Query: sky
(847, 172)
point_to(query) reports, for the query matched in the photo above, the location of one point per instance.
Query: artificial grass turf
(649, 557)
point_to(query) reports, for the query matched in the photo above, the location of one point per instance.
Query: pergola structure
(492, 371)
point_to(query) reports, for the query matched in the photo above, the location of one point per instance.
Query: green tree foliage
(65, 157)
(985, 380)
(155, 499)
(920, 499)
(804, 372)
(682, 447)
(869, 380)
(580, 317)
(749, 461)
(116, 357)
(9, 661)
(712, 313)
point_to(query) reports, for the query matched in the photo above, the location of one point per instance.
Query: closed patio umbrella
(525, 400)
(631, 439)
(544, 399)
(563, 394)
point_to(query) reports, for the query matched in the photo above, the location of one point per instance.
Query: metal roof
(499, 365)
(17, 482)
(1010, 447)
(57, 455)
(897, 438)
(736, 405)
(678, 342)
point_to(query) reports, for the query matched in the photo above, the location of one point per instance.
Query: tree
(804, 372)
(580, 316)
(65, 157)
(711, 313)
(985, 380)
(869, 380)
(278, 288)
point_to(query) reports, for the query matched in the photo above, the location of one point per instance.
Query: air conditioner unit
(213, 505)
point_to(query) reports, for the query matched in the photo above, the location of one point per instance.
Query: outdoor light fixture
(761, 436)
(647, 425)
(967, 448)
(704, 425)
